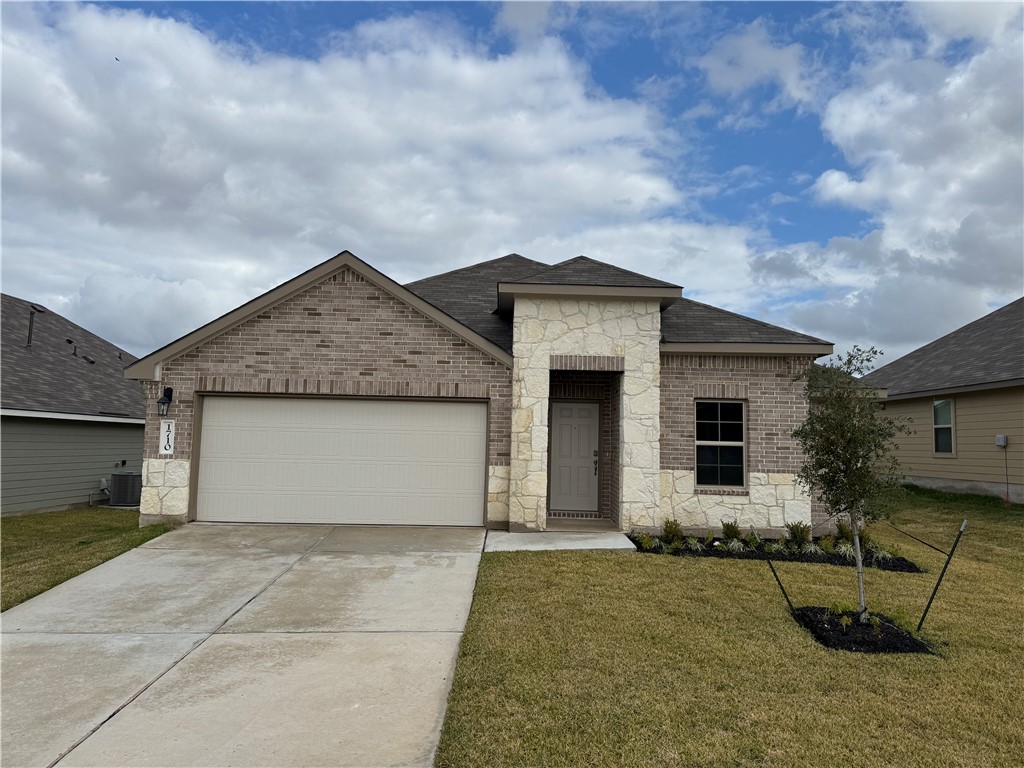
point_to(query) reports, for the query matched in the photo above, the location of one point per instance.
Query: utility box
(1000, 441)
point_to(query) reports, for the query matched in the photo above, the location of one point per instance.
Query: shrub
(877, 554)
(693, 544)
(799, 534)
(828, 545)
(647, 543)
(812, 549)
(731, 530)
(672, 547)
(844, 532)
(775, 548)
(672, 532)
(734, 545)
(845, 549)
(753, 540)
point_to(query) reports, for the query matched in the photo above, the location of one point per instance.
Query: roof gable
(988, 351)
(148, 367)
(84, 377)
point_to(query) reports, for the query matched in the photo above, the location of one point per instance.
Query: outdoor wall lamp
(165, 402)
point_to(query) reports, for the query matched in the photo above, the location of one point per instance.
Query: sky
(851, 171)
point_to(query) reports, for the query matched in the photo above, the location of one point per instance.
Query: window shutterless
(720, 443)
(942, 426)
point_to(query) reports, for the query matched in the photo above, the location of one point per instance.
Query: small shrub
(876, 626)
(845, 549)
(647, 543)
(672, 532)
(844, 532)
(845, 621)
(693, 544)
(877, 554)
(672, 547)
(775, 548)
(734, 546)
(812, 549)
(799, 534)
(753, 540)
(731, 530)
(709, 539)
(828, 545)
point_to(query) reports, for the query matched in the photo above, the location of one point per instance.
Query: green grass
(38, 552)
(590, 658)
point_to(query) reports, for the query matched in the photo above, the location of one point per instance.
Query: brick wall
(775, 405)
(342, 337)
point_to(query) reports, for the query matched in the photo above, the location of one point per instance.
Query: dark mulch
(886, 637)
(899, 564)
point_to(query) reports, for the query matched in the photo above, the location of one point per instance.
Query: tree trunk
(862, 607)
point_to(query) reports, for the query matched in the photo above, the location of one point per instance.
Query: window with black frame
(720, 443)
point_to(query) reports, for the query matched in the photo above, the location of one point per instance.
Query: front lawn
(38, 552)
(599, 658)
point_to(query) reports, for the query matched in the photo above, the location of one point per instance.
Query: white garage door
(378, 462)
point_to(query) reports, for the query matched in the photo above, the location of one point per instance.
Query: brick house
(511, 394)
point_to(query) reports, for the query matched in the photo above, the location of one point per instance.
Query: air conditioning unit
(125, 489)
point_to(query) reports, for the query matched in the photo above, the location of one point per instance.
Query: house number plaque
(166, 437)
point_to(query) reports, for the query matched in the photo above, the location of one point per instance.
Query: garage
(312, 460)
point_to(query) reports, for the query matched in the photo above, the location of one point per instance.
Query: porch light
(164, 403)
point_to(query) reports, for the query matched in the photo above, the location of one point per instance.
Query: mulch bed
(898, 564)
(886, 637)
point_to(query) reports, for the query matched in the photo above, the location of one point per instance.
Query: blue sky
(853, 171)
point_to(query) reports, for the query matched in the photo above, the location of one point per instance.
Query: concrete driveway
(243, 645)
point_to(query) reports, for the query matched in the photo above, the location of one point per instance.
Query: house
(509, 394)
(68, 417)
(963, 396)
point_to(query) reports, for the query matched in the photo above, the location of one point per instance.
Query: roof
(149, 366)
(584, 271)
(65, 370)
(468, 295)
(988, 352)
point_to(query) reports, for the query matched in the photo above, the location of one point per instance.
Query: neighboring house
(959, 393)
(506, 394)
(68, 416)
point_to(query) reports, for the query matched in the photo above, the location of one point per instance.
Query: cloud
(748, 58)
(192, 162)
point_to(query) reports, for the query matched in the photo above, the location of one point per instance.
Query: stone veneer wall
(543, 327)
(775, 406)
(341, 337)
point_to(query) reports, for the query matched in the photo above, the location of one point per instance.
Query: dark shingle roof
(48, 376)
(689, 321)
(987, 351)
(584, 271)
(469, 295)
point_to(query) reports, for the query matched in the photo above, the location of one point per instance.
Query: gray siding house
(68, 417)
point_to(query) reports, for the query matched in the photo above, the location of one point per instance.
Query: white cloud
(748, 58)
(194, 163)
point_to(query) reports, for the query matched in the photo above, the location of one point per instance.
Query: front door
(574, 430)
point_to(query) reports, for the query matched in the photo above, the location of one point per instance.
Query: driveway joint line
(181, 658)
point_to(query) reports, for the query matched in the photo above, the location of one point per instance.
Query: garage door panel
(342, 461)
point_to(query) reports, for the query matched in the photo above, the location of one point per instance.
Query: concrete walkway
(536, 541)
(242, 645)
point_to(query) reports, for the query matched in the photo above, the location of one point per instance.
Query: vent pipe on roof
(33, 310)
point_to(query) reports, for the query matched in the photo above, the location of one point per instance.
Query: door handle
(595, 467)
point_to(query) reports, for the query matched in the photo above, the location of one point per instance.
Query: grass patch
(38, 552)
(604, 658)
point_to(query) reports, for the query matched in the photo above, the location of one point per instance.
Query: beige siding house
(963, 398)
(510, 394)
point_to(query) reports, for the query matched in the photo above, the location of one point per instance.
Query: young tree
(848, 445)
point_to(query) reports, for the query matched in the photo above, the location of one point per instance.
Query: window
(720, 430)
(942, 425)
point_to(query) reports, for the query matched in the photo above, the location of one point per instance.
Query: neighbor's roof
(988, 352)
(468, 295)
(84, 377)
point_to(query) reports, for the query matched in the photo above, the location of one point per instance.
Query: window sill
(731, 490)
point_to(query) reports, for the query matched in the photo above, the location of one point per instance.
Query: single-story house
(963, 396)
(509, 394)
(68, 416)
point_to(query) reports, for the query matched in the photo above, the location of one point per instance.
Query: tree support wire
(779, 582)
(920, 624)
(922, 541)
